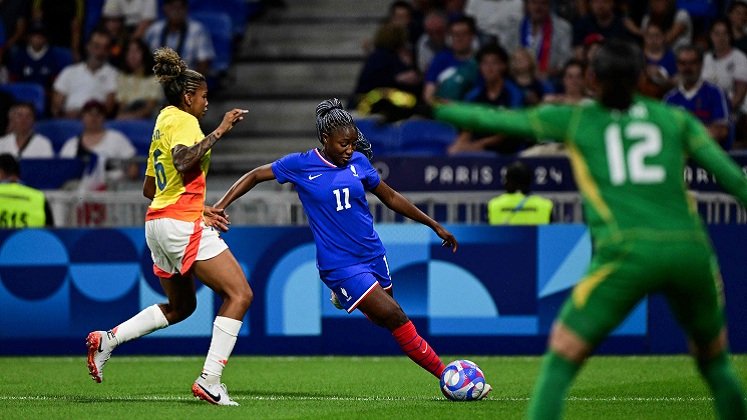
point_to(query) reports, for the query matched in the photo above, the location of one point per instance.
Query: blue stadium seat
(237, 10)
(59, 130)
(50, 174)
(138, 131)
(219, 26)
(699, 8)
(28, 92)
(427, 136)
(93, 11)
(64, 56)
(384, 138)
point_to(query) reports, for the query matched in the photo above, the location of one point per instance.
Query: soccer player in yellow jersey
(628, 155)
(181, 243)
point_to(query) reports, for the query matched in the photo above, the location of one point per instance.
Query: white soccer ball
(462, 380)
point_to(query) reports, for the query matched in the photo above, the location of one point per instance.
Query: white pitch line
(126, 398)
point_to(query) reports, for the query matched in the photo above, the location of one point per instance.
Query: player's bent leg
(223, 275)
(718, 372)
(383, 310)
(180, 290)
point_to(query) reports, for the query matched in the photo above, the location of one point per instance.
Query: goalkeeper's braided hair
(330, 115)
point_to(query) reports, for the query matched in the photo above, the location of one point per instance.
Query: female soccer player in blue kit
(331, 182)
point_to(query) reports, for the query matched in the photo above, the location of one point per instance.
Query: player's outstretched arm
(539, 123)
(187, 157)
(711, 157)
(248, 181)
(395, 201)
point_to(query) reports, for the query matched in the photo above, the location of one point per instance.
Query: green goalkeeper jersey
(629, 165)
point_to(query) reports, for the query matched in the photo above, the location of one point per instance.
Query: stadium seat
(59, 130)
(64, 56)
(28, 92)
(699, 8)
(93, 11)
(237, 10)
(384, 138)
(219, 26)
(427, 136)
(138, 131)
(50, 174)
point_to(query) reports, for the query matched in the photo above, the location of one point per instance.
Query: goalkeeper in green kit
(628, 155)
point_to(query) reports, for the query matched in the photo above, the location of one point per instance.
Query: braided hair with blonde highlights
(330, 116)
(174, 75)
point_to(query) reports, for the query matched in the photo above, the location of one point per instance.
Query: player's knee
(707, 350)
(181, 310)
(242, 296)
(568, 344)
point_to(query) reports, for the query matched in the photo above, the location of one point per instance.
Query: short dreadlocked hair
(330, 116)
(173, 74)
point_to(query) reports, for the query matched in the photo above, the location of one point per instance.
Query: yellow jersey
(178, 196)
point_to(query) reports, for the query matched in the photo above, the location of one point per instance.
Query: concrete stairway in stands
(290, 60)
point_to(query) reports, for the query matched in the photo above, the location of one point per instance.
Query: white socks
(225, 331)
(145, 322)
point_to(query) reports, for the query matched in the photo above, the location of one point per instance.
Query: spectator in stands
(603, 20)
(402, 13)
(20, 206)
(92, 79)
(107, 152)
(524, 75)
(737, 14)
(494, 89)
(14, 17)
(187, 37)
(676, 23)
(433, 41)
(661, 67)
(21, 141)
(517, 206)
(446, 63)
(37, 61)
(112, 22)
(495, 19)
(574, 89)
(703, 99)
(388, 68)
(544, 33)
(138, 91)
(724, 65)
(63, 20)
(138, 14)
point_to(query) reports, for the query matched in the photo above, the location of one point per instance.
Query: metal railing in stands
(283, 208)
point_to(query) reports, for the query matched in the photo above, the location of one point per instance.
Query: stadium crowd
(511, 53)
(517, 53)
(76, 74)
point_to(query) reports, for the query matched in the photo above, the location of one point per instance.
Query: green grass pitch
(343, 388)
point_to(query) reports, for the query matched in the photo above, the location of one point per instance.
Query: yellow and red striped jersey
(178, 196)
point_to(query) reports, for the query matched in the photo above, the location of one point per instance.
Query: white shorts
(175, 245)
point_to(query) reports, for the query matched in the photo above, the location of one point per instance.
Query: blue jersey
(334, 200)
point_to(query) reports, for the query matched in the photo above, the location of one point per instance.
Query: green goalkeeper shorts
(619, 276)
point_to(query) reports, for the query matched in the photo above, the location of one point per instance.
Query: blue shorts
(352, 284)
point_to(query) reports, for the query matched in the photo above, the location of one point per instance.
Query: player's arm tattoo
(186, 157)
